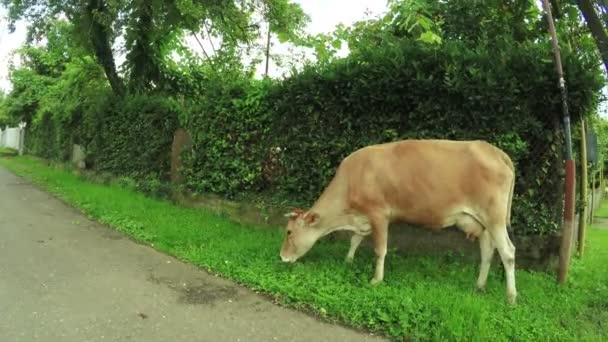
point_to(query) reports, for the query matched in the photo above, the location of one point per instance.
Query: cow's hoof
(375, 281)
(349, 260)
(511, 300)
(480, 289)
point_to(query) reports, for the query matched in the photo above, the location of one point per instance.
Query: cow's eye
(288, 232)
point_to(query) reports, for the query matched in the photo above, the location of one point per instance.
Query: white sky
(324, 14)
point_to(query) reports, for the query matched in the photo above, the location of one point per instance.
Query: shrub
(133, 137)
(130, 137)
(396, 91)
(229, 125)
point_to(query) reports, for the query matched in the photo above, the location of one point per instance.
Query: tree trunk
(100, 39)
(597, 29)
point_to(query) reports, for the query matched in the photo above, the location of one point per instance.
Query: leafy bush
(285, 138)
(133, 137)
(130, 136)
(228, 125)
(395, 91)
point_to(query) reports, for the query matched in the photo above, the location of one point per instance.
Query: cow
(433, 183)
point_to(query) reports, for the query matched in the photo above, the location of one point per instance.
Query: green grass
(602, 211)
(422, 297)
(6, 150)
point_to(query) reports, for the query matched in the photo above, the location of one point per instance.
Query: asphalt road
(66, 278)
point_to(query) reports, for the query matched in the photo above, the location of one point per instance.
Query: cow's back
(421, 180)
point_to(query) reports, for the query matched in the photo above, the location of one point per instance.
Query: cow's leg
(355, 241)
(487, 252)
(380, 231)
(506, 249)
(472, 228)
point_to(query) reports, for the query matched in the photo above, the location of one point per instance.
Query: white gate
(13, 137)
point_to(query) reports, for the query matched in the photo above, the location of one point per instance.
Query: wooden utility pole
(601, 181)
(567, 229)
(582, 221)
(593, 199)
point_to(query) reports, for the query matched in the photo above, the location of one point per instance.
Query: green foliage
(599, 126)
(401, 90)
(64, 96)
(4, 117)
(124, 137)
(485, 72)
(428, 69)
(228, 124)
(134, 137)
(154, 31)
(66, 105)
(490, 21)
(28, 88)
(422, 298)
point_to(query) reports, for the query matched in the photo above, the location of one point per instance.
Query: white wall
(9, 137)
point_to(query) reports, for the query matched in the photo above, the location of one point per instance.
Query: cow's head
(301, 234)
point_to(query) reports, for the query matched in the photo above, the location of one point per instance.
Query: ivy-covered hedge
(134, 137)
(285, 138)
(130, 136)
(399, 91)
(230, 124)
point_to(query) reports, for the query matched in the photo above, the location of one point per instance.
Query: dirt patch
(112, 235)
(203, 294)
(199, 293)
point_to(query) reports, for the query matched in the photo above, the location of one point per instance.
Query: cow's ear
(311, 218)
(294, 214)
(291, 215)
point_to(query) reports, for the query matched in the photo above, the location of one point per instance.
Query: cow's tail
(507, 160)
(510, 202)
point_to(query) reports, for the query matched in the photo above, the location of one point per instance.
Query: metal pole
(567, 229)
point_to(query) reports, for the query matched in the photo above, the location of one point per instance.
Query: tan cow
(431, 183)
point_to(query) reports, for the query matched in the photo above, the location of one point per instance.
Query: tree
(597, 28)
(154, 30)
(4, 119)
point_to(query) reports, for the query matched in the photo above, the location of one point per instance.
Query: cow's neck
(332, 209)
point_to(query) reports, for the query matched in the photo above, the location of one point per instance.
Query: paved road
(66, 278)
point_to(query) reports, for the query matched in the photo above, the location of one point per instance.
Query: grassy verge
(422, 298)
(602, 211)
(7, 151)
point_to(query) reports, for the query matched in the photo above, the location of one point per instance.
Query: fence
(13, 137)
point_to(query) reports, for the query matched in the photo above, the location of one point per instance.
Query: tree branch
(201, 45)
(209, 36)
(596, 28)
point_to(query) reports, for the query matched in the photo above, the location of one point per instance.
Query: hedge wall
(130, 136)
(321, 114)
(406, 90)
